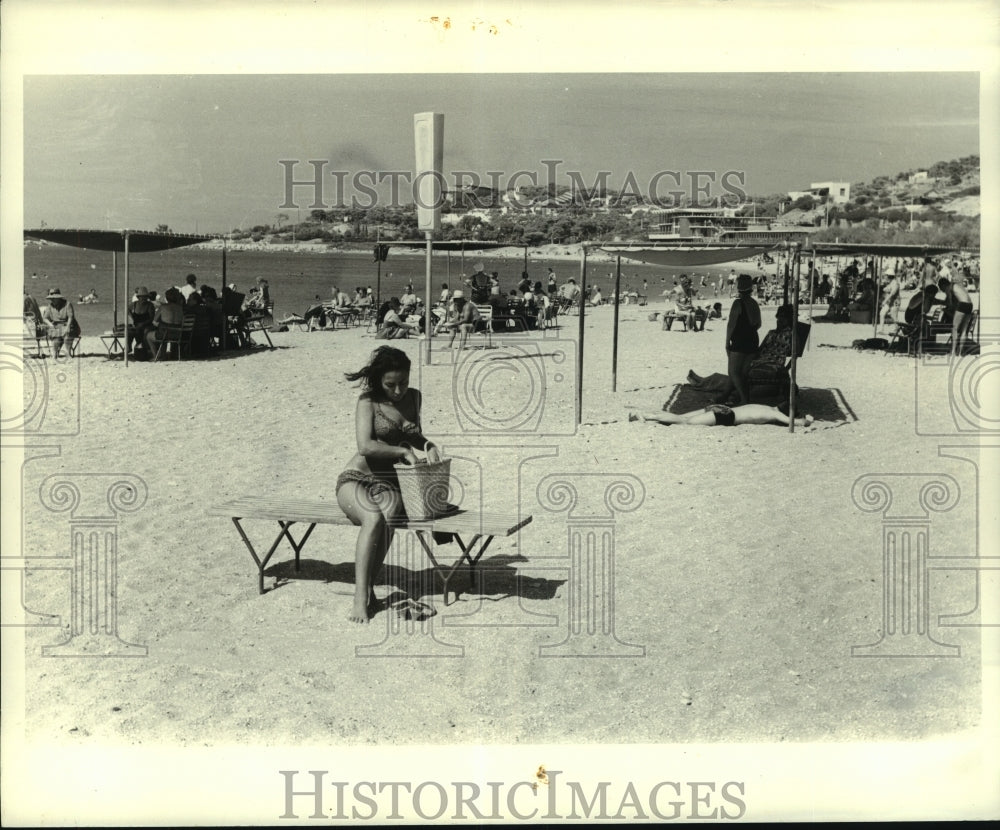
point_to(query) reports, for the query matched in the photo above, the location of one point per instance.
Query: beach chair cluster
(930, 334)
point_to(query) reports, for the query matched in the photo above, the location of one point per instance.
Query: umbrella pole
(126, 297)
(579, 363)
(614, 349)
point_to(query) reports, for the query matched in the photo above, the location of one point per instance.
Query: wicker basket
(425, 488)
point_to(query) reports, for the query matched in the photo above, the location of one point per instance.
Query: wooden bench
(483, 527)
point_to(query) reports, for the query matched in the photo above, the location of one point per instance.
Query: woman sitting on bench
(387, 428)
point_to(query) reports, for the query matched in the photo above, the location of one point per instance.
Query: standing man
(479, 282)
(553, 285)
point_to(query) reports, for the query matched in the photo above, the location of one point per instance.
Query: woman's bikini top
(389, 431)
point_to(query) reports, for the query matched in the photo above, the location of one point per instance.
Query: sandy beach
(741, 574)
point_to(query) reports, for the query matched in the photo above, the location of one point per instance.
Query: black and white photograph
(489, 413)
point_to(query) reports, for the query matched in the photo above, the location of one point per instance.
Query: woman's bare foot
(359, 614)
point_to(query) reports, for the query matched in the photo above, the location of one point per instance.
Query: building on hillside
(919, 176)
(837, 192)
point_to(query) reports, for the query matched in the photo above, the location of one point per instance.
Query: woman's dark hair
(382, 310)
(208, 293)
(383, 360)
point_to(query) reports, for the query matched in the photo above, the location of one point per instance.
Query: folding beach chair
(768, 382)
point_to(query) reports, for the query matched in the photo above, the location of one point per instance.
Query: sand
(741, 578)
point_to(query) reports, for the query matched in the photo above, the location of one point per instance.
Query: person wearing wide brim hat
(742, 340)
(141, 312)
(60, 322)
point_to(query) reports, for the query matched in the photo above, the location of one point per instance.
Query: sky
(201, 152)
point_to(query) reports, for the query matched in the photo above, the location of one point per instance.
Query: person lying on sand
(721, 415)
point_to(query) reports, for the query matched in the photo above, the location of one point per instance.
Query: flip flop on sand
(411, 609)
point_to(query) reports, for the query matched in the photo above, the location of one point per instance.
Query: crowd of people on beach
(214, 318)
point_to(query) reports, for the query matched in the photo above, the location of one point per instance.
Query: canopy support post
(579, 362)
(114, 292)
(127, 296)
(878, 290)
(795, 336)
(428, 328)
(614, 349)
(225, 317)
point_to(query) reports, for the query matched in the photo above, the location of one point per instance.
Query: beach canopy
(140, 242)
(874, 249)
(451, 244)
(683, 256)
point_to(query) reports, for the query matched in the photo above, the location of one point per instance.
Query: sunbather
(721, 415)
(387, 429)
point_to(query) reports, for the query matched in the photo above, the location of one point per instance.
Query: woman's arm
(368, 444)
(420, 441)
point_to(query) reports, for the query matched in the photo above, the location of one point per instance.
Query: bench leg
(296, 546)
(262, 563)
(467, 556)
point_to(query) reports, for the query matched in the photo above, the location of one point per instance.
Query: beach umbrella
(121, 241)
